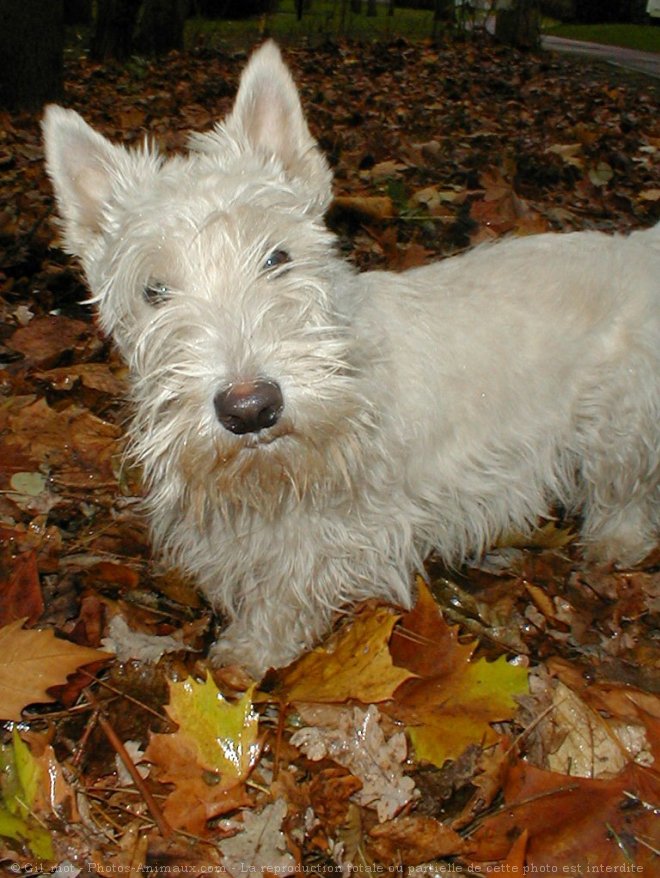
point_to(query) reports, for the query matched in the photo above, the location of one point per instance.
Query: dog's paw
(255, 654)
(624, 546)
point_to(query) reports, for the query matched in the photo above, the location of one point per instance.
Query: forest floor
(518, 729)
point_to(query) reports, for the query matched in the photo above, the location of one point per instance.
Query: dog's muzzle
(249, 406)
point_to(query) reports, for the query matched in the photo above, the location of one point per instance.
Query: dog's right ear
(83, 167)
(268, 120)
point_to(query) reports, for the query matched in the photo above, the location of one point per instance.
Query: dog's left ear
(86, 170)
(268, 119)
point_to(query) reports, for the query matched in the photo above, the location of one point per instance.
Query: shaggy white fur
(308, 433)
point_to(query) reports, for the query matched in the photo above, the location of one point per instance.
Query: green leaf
(20, 781)
(223, 734)
(28, 772)
(29, 484)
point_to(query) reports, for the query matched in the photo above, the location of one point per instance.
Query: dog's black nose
(249, 406)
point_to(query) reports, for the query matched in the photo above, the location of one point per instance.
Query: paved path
(630, 59)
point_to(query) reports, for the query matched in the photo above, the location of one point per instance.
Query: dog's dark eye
(277, 259)
(156, 292)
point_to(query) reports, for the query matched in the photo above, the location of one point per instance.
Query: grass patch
(327, 18)
(645, 38)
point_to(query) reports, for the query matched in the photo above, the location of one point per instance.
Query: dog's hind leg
(620, 465)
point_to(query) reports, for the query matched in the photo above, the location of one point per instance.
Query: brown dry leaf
(21, 592)
(196, 799)
(413, 839)
(78, 446)
(356, 740)
(32, 661)
(548, 536)
(619, 699)
(373, 207)
(517, 856)
(570, 153)
(574, 822)
(424, 643)
(45, 339)
(354, 663)
(329, 793)
(582, 743)
(95, 376)
(492, 768)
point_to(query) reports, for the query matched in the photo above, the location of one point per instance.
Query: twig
(154, 809)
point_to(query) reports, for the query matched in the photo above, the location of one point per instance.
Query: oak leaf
(260, 847)
(357, 741)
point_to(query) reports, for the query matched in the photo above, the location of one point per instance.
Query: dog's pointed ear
(80, 163)
(268, 115)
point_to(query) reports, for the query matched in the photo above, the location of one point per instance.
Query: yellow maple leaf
(209, 756)
(220, 736)
(457, 710)
(355, 663)
(454, 700)
(33, 660)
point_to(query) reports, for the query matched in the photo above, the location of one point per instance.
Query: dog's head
(217, 279)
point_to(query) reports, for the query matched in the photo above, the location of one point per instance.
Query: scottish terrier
(308, 433)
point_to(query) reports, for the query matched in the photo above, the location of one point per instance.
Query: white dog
(308, 433)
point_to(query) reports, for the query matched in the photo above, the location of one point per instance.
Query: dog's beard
(188, 459)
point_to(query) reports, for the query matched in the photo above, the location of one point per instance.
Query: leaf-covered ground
(519, 731)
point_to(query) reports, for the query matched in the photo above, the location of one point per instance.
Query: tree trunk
(77, 11)
(31, 52)
(443, 10)
(372, 12)
(159, 27)
(443, 17)
(113, 34)
(519, 24)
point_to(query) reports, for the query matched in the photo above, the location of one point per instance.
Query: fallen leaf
(568, 152)
(78, 447)
(354, 663)
(21, 593)
(223, 737)
(44, 340)
(21, 781)
(96, 376)
(601, 174)
(356, 740)
(260, 847)
(32, 661)
(413, 839)
(455, 700)
(586, 743)
(574, 822)
(373, 207)
(209, 756)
